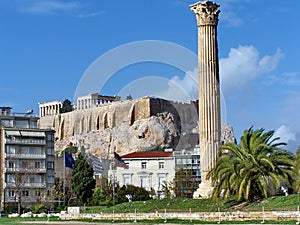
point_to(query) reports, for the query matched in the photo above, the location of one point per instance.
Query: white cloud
(243, 64)
(48, 7)
(285, 134)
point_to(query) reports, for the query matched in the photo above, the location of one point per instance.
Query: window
(36, 150)
(50, 165)
(161, 165)
(10, 178)
(144, 181)
(11, 149)
(161, 181)
(178, 161)
(144, 165)
(22, 123)
(50, 151)
(25, 193)
(25, 150)
(37, 179)
(11, 164)
(126, 179)
(37, 165)
(50, 179)
(7, 123)
(188, 161)
(11, 193)
(33, 124)
(50, 137)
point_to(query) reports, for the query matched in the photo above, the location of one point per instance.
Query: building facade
(150, 170)
(187, 166)
(153, 170)
(26, 160)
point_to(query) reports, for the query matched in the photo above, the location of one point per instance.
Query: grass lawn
(290, 202)
(278, 203)
(18, 221)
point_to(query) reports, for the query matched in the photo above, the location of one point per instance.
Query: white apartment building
(26, 160)
(149, 170)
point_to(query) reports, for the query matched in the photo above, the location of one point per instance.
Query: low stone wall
(202, 216)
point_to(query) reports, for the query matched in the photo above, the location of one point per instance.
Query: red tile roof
(155, 154)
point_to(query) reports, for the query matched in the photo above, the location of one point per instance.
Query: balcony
(24, 156)
(22, 170)
(25, 141)
(26, 185)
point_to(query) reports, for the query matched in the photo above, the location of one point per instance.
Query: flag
(69, 161)
(119, 161)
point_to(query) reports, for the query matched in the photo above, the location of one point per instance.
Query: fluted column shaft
(209, 90)
(209, 97)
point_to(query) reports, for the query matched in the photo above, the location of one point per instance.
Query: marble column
(209, 91)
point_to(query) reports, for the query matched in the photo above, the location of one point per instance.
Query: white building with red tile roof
(149, 170)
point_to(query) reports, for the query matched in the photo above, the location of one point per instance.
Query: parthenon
(94, 100)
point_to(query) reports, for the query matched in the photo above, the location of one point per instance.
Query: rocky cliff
(138, 125)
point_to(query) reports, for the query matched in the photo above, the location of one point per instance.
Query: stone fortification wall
(103, 117)
(127, 126)
(122, 126)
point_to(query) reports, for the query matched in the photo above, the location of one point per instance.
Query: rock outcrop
(128, 126)
(156, 132)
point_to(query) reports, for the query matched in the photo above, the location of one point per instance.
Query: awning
(33, 133)
(12, 133)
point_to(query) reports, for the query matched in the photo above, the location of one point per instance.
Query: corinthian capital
(206, 12)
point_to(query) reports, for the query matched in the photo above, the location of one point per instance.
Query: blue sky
(46, 47)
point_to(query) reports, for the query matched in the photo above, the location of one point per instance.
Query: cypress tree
(82, 180)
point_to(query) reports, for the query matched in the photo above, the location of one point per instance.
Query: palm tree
(246, 170)
(297, 171)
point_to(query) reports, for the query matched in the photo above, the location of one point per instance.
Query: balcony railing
(25, 156)
(27, 185)
(22, 170)
(25, 141)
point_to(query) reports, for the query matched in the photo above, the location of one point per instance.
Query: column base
(205, 190)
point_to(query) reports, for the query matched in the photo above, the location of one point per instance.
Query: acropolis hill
(104, 124)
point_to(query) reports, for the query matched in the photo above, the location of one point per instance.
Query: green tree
(247, 170)
(296, 185)
(184, 184)
(66, 106)
(82, 180)
(99, 197)
(137, 194)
